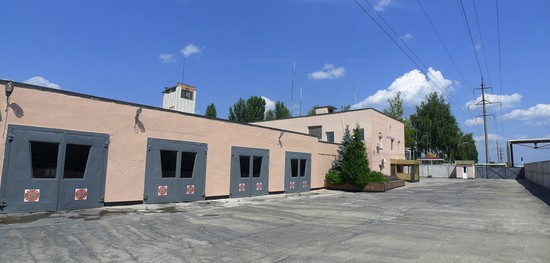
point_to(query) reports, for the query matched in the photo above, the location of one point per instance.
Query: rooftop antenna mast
(354, 95)
(292, 89)
(183, 71)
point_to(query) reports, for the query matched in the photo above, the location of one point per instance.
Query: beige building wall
(43, 107)
(379, 129)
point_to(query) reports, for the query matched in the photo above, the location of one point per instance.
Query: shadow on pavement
(536, 190)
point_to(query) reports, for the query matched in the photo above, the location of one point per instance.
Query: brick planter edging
(370, 187)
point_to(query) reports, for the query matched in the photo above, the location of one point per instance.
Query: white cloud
(269, 104)
(413, 85)
(406, 37)
(381, 5)
(40, 81)
(167, 57)
(190, 50)
(473, 122)
(507, 101)
(329, 71)
(536, 115)
(490, 137)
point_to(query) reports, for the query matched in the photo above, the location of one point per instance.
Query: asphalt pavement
(435, 220)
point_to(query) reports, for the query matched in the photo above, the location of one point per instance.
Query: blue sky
(131, 50)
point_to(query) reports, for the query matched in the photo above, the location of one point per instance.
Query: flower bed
(370, 187)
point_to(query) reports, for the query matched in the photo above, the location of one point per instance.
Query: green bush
(377, 177)
(333, 177)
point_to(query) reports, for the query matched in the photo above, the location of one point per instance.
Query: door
(464, 172)
(175, 171)
(249, 172)
(297, 172)
(49, 170)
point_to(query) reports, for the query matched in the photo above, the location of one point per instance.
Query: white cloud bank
(507, 101)
(190, 50)
(269, 104)
(413, 85)
(40, 81)
(329, 71)
(490, 137)
(536, 115)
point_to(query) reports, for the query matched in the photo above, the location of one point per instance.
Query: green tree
(346, 139)
(355, 165)
(396, 107)
(270, 115)
(436, 127)
(281, 111)
(250, 110)
(345, 108)
(466, 148)
(211, 111)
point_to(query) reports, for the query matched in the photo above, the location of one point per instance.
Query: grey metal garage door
(297, 172)
(249, 172)
(50, 169)
(175, 171)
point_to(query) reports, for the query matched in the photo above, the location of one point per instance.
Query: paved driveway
(436, 220)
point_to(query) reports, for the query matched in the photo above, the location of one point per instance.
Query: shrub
(377, 177)
(333, 177)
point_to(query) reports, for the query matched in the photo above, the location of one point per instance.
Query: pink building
(63, 150)
(384, 136)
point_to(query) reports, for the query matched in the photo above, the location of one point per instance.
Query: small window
(330, 136)
(294, 167)
(303, 167)
(76, 159)
(186, 94)
(316, 131)
(399, 145)
(391, 146)
(187, 164)
(245, 166)
(362, 134)
(44, 159)
(168, 160)
(256, 166)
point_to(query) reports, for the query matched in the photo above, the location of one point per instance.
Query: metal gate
(50, 169)
(488, 172)
(175, 171)
(297, 172)
(249, 172)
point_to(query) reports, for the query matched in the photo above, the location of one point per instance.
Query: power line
(433, 79)
(403, 42)
(482, 43)
(471, 37)
(443, 43)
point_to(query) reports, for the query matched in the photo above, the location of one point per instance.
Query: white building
(181, 97)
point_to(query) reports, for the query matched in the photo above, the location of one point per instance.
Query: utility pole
(484, 102)
(484, 121)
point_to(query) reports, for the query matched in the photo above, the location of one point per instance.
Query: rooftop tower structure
(181, 97)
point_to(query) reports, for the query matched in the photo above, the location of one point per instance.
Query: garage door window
(76, 159)
(44, 159)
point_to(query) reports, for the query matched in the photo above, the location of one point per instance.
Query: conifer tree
(346, 139)
(355, 165)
